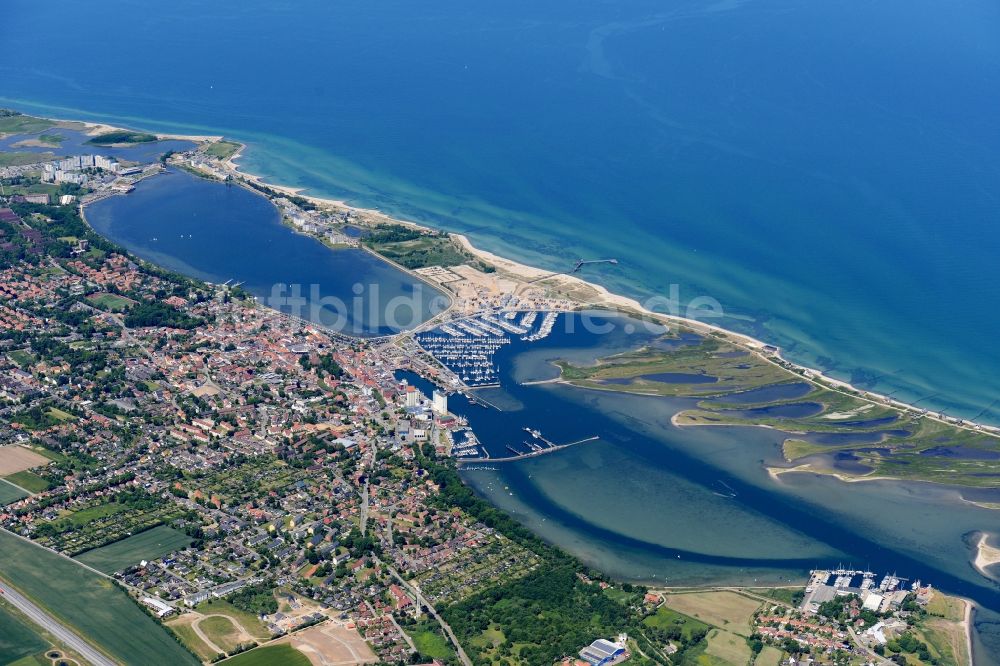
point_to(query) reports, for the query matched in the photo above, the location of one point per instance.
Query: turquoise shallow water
(827, 171)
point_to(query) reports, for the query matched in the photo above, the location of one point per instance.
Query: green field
(17, 639)
(20, 159)
(222, 149)
(29, 481)
(664, 618)
(270, 655)
(22, 357)
(414, 249)
(54, 456)
(147, 545)
(51, 139)
(121, 136)
(89, 603)
(187, 635)
(769, 656)
(21, 124)
(221, 631)
(60, 415)
(250, 622)
(9, 493)
(429, 641)
(111, 302)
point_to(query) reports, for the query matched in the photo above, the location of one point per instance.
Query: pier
(466, 346)
(522, 456)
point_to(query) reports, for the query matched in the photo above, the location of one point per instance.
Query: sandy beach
(587, 294)
(986, 556)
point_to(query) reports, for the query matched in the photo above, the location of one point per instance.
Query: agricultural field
(728, 647)
(17, 638)
(726, 610)
(29, 481)
(769, 656)
(15, 459)
(110, 302)
(92, 605)
(54, 456)
(9, 493)
(280, 654)
(149, 545)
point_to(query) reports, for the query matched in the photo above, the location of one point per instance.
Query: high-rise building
(440, 404)
(412, 397)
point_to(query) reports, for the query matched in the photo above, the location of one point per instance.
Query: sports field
(93, 605)
(110, 302)
(148, 545)
(9, 493)
(17, 639)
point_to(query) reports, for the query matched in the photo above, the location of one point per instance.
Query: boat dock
(467, 346)
(539, 451)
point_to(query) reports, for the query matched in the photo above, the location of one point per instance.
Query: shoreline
(604, 298)
(986, 556)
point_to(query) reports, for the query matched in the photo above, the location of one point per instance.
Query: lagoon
(221, 233)
(76, 142)
(828, 171)
(653, 502)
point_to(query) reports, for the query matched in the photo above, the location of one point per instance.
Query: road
(54, 627)
(422, 601)
(871, 654)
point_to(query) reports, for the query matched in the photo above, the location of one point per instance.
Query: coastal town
(264, 488)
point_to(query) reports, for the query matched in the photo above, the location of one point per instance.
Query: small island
(122, 137)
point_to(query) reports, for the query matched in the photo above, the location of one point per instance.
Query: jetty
(529, 454)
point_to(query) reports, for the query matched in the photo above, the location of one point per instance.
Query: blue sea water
(828, 171)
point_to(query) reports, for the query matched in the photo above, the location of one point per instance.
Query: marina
(467, 346)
